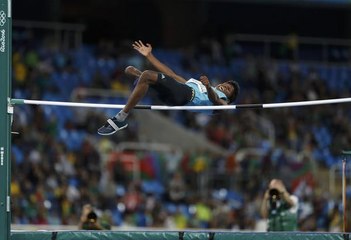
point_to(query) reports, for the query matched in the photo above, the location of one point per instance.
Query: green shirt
(283, 217)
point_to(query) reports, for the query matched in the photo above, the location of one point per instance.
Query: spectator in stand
(177, 189)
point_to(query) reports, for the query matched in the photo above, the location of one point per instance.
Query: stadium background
(221, 164)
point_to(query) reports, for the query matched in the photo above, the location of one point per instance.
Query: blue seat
(17, 153)
(72, 139)
(152, 186)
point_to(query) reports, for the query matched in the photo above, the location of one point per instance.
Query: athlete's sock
(121, 116)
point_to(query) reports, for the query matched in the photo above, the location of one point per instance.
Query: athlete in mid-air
(171, 88)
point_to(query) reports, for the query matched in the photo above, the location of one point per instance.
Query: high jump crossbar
(15, 101)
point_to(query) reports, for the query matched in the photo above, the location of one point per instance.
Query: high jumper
(172, 89)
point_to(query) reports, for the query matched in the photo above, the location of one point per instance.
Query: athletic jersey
(200, 91)
(283, 217)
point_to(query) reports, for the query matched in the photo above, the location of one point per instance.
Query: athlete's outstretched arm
(212, 95)
(146, 50)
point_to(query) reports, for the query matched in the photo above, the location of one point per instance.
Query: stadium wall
(170, 235)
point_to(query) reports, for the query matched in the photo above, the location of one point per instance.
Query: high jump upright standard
(5, 117)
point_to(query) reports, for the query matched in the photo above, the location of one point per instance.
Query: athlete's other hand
(143, 49)
(205, 81)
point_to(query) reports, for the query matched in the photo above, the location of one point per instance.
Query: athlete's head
(230, 89)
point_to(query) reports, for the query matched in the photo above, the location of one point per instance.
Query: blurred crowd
(59, 163)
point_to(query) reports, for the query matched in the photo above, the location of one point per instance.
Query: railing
(78, 93)
(301, 48)
(67, 34)
(323, 49)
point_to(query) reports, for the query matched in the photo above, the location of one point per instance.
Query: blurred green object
(346, 152)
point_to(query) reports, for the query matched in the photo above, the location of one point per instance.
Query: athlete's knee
(148, 76)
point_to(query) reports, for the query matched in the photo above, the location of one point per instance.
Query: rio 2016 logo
(2, 18)
(2, 32)
(2, 40)
(2, 152)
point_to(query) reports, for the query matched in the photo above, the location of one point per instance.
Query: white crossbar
(162, 107)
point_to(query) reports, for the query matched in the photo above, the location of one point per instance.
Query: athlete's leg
(132, 71)
(146, 78)
(118, 122)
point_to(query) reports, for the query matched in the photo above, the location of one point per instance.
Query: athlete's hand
(204, 80)
(143, 49)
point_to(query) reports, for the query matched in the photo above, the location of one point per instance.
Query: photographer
(89, 219)
(279, 207)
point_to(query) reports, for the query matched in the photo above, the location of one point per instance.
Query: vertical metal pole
(345, 153)
(5, 117)
(344, 193)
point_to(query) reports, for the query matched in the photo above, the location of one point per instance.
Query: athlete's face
(226, 88)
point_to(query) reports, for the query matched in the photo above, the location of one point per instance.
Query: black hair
(235, 92)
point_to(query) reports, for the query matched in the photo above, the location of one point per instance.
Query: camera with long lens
(91, 222)
(274, 198)
(92, 217)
